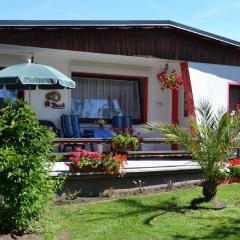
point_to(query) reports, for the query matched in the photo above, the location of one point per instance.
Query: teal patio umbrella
(30, 75)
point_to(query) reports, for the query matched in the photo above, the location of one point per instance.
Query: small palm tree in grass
(215, 138)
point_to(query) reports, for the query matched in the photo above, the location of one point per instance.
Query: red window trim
(228, 93)
(174, 112)
(145, 99)
(145, 86)
(188, 93)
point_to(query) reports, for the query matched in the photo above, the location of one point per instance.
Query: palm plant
(214, 138)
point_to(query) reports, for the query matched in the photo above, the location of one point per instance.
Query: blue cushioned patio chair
(121, 123)
(67, 126)
(127, 123)
(71, 129)
(75, 126)
(117, 124)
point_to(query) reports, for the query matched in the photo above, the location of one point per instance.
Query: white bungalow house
(115, 65)
(117, 62)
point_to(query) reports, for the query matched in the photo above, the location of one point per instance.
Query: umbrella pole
(29, 96)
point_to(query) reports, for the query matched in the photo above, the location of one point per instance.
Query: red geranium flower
(234, 162)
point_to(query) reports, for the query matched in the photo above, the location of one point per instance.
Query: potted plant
(170, 80)
(86, 161)
(125, 141)
(114, 163)
(215, 138)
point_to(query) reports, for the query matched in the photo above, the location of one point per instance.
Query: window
(102, 97)
(234, 97)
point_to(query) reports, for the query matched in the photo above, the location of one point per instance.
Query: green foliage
(25, 186)
(224, 175)
(20, 130)
(216, 135)
(125, 141)
(235, 171)
(232, 169)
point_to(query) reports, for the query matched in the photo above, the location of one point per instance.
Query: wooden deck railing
(102, 140)
(132, 154)
(139, 153)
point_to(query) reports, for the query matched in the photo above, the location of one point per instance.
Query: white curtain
(105, 98)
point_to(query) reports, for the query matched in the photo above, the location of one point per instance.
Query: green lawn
(158, 216)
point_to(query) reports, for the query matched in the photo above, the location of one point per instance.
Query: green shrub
(25, 186)
(235, 171)
(224, 174)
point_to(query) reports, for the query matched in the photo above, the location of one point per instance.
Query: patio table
(98, 133)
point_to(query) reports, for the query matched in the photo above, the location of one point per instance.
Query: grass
(159, 216)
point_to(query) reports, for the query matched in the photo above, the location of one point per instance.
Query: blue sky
(216, 16)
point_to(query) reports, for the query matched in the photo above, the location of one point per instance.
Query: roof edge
(113, 24)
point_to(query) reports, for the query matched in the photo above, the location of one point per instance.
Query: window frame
(228, 93)
(142, 87)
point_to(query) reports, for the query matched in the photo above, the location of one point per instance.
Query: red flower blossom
(237, 106)
(171, 81)
(234, 162)
(110, 162)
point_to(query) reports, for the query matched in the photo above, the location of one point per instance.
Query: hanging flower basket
(170, 80)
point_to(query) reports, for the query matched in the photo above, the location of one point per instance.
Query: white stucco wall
(210, 82)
